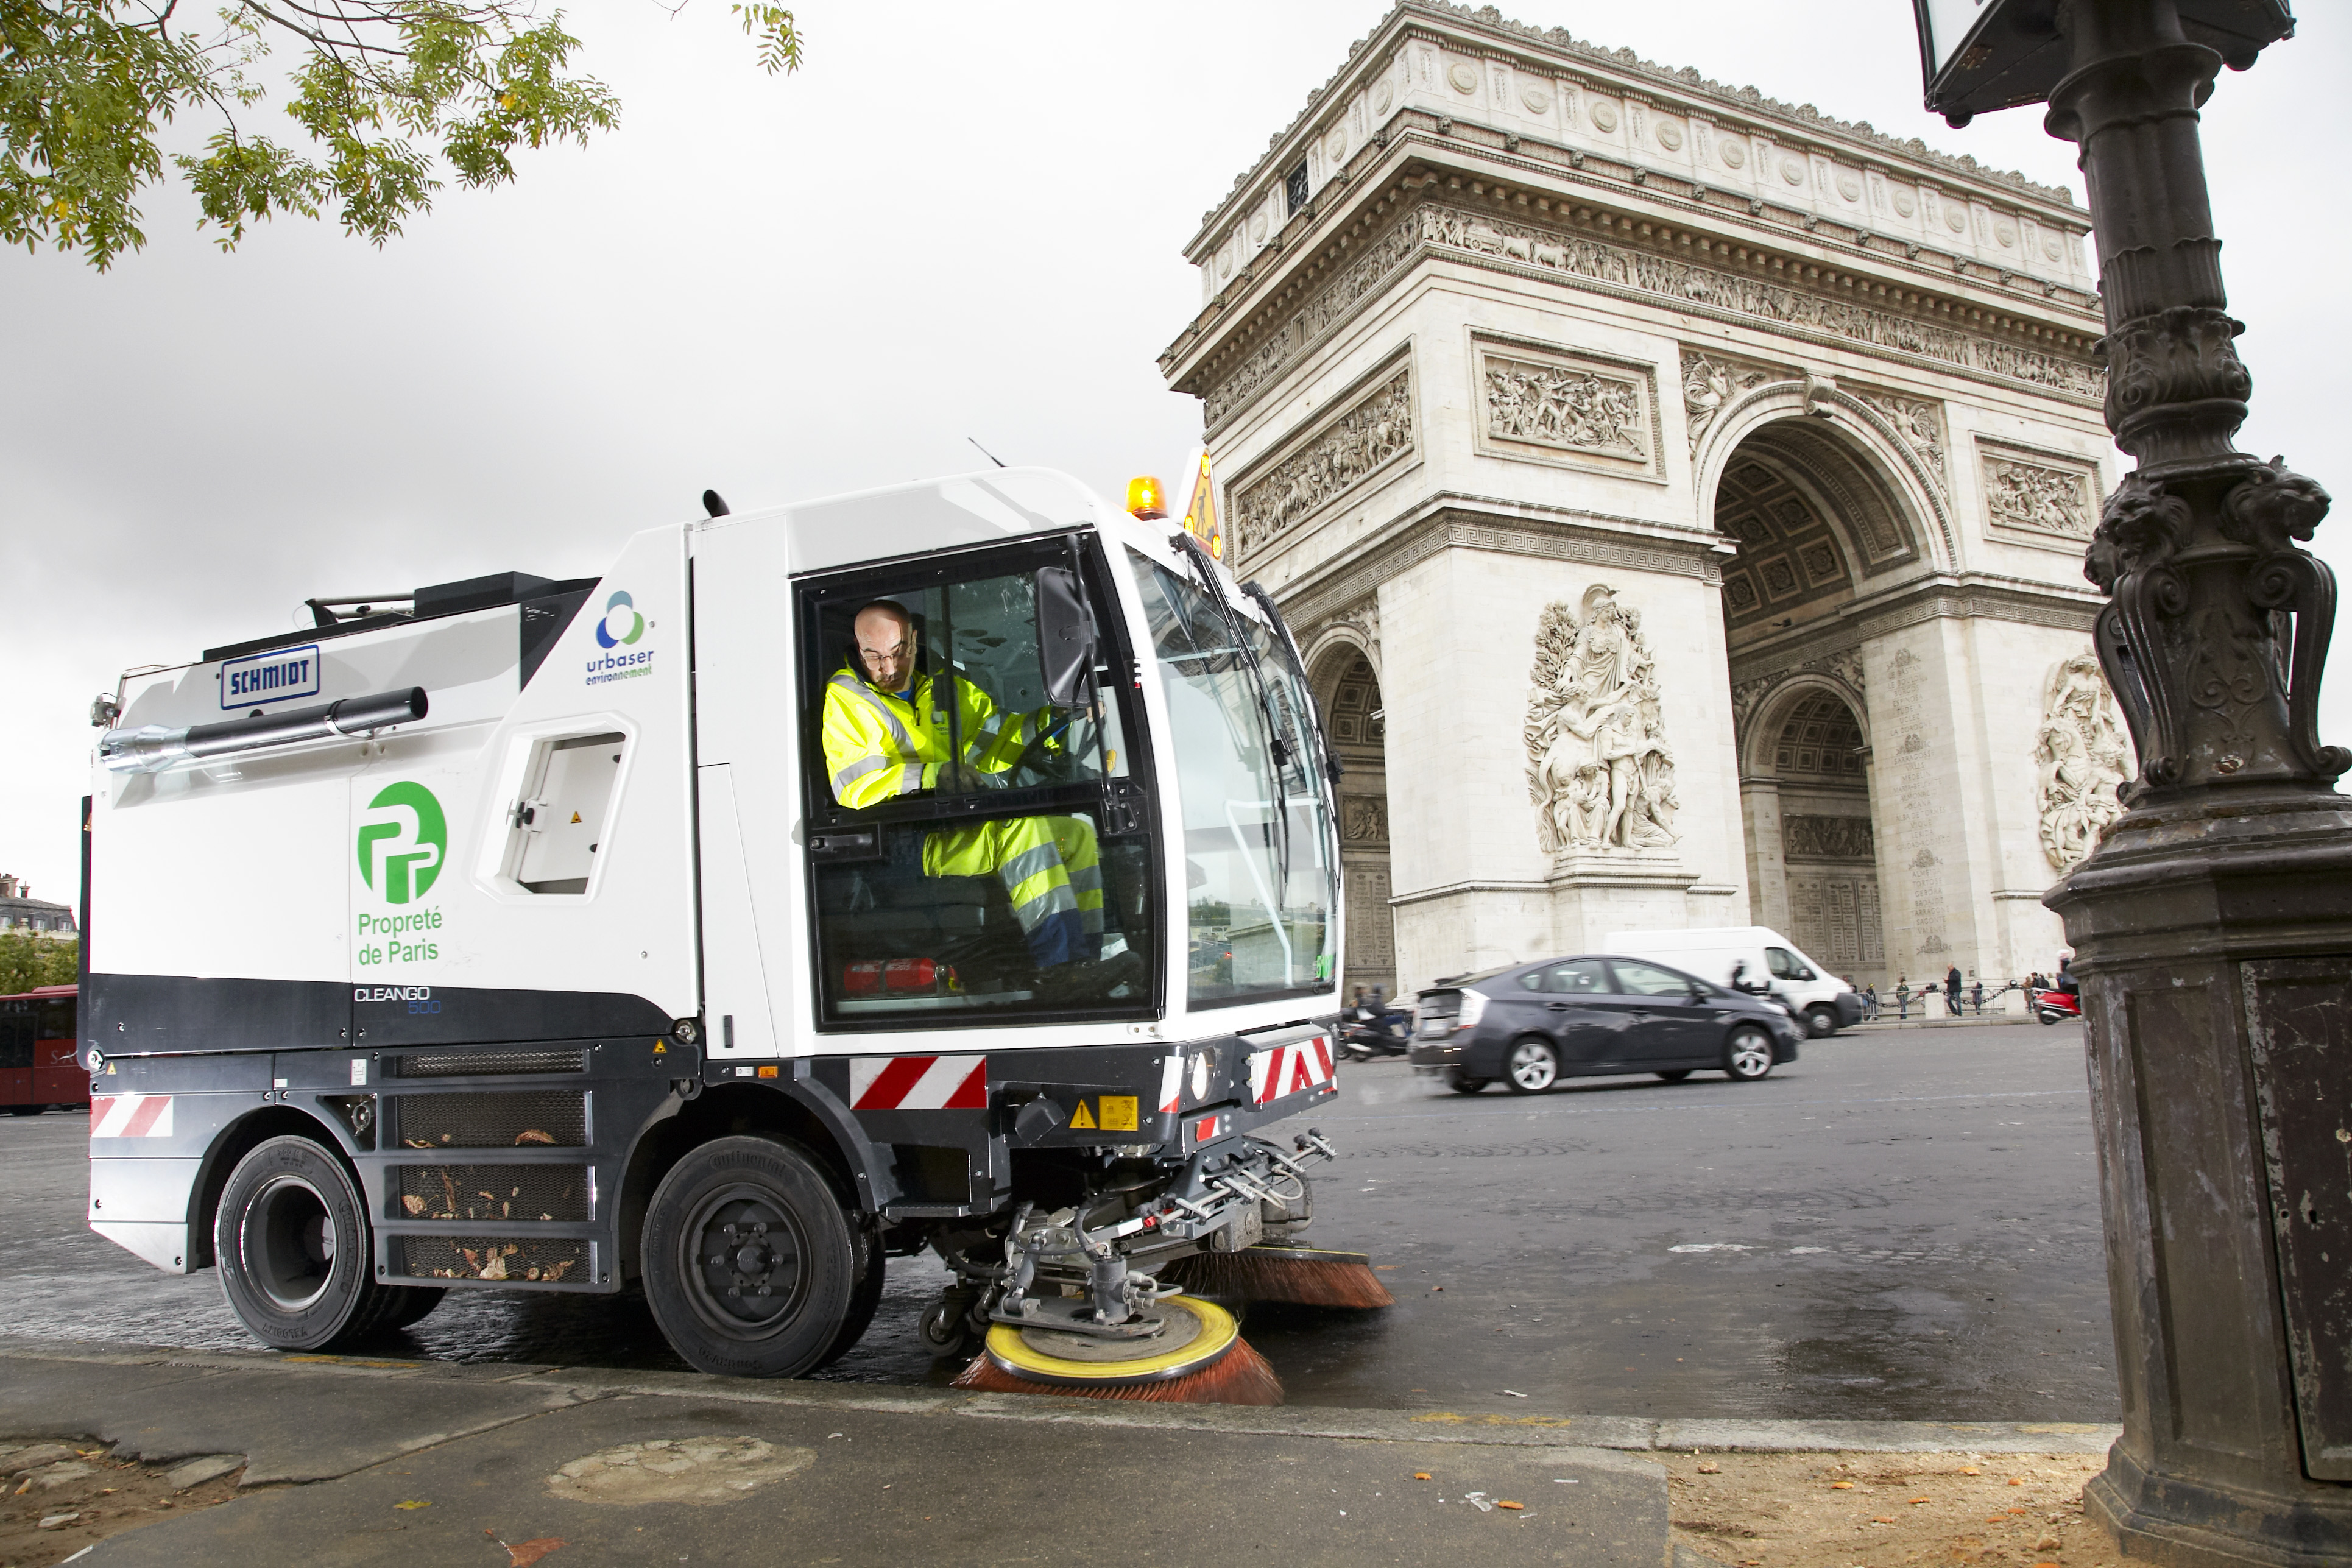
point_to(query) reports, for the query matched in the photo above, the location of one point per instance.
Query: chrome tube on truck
(151, 748)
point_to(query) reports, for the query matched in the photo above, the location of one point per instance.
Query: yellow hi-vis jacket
(878, 744)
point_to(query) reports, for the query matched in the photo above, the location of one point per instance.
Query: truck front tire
(296, 1259)
(751, 1267)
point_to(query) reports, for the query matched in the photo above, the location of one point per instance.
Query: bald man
(886, 734)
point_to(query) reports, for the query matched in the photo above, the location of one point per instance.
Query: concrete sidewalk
(352, 1460)
(1888, 1020)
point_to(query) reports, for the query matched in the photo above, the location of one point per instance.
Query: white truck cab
(1758, 957)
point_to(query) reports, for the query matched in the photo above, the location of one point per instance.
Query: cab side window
(1787, 965)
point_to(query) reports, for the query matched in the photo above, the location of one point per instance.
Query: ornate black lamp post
(2212, 927)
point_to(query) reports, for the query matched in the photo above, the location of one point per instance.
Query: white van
(1760, 956)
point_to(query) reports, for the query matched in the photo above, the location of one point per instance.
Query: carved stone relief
(1549, 404)
(1375, 432)
(1919, 421)
(1364, 615)
(1363, 819)
(2083, 756)
(1555, 405)
(2041, 498)
(1600, 770)
(1811, 837)
(1711, 381)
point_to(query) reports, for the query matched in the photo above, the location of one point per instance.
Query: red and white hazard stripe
(130, 1116)
(1281, 1070)
(918, 1083)
(1172, 1081)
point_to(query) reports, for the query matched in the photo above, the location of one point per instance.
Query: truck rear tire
(751, 1267)
(297, 1259)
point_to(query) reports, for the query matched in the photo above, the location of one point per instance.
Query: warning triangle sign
(1082, 1119)
(575, 816)
(1201, 515)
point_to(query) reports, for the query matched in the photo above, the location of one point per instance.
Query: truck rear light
(1474, 1007)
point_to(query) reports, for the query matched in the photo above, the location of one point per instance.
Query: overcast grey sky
(956, 220)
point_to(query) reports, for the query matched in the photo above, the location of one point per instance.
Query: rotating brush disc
(1199, 1358)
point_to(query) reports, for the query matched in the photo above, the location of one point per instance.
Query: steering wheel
(1075, 731)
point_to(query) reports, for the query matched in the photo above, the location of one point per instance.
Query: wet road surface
(1902, 1225)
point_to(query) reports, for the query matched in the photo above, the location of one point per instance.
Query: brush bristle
(1269, 1274)
(1241, 1376)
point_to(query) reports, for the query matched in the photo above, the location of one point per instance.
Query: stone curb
(1624, 1433)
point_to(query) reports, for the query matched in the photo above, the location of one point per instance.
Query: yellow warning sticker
(1119, 1114)
(1082, 1119)
(575, 816)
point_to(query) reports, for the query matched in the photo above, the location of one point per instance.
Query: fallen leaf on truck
(533, 1135)
(413, 1203)
(495, 1268)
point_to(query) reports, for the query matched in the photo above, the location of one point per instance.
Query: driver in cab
(886, 733)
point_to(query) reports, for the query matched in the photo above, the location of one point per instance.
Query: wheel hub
(747, 1260)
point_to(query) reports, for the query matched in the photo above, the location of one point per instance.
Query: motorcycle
(1364, 1034)
(2051, 1005)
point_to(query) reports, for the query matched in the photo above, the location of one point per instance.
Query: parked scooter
(2051, 1005)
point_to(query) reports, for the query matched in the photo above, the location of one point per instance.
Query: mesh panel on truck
(482, 1064)
(527, 1260)
(538, 1118)
(481, 1193)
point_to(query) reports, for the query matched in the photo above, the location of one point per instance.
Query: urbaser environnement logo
(404, 837)
(622, 624)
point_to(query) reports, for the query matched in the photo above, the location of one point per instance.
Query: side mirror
(1065, 637)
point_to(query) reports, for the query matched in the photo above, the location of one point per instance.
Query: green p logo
(404, 835)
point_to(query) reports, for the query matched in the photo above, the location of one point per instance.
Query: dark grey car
(1532, 1024)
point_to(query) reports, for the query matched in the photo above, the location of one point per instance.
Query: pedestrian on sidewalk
(1952, 991)
(1976, 995)
(1902, 996)
(1870, 1002)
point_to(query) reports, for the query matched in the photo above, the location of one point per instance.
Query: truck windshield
(1257, 860)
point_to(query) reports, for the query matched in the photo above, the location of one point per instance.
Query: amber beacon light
(1147, 498)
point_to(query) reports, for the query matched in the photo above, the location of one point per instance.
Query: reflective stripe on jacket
(878, 744)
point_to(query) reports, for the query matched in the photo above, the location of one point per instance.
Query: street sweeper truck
(948, 866)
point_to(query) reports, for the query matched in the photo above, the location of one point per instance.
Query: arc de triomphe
(1680, 498)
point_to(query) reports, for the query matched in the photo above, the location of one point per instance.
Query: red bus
(38, 1064)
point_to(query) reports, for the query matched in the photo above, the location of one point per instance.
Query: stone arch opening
(1814, 524)
(1348, 690)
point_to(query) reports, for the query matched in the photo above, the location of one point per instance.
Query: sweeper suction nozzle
(1198, 1358)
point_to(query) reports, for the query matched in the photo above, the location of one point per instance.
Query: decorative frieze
(2038, 495)
(1600, 770)
(1333, 459)
(1477, 233)
(1815, 838)
(1546, 404)
(1363, 819)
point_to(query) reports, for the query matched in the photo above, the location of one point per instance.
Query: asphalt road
(1902, 1225)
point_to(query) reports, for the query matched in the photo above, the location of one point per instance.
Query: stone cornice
(1641, 259)
(1555, 50)
(1969, 595)
(1450, 521)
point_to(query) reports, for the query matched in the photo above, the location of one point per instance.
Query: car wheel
(1676, 1075)
(1821, 1022)
(296, 1258)
(1464, 1084)
(751, 1267)
(1532, 1065)
(1748, 1054)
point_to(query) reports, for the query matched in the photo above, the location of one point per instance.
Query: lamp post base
(2213, 937)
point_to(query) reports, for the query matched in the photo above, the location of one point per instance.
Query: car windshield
(1257, 854)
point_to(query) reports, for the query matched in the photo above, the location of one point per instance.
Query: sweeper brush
(1199, 1358)
(1305, 1276)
